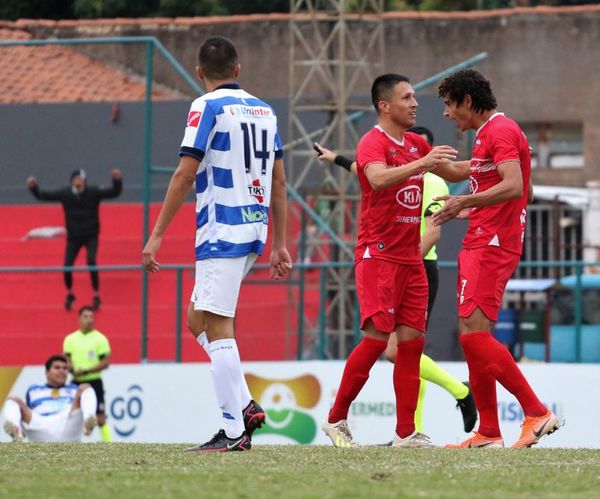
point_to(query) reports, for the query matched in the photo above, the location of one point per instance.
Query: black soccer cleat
(222, 443)
(468, 410)
(254, 417)
(69, 301)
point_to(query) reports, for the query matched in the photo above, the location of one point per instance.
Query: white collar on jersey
(489, 119)
(400, 143)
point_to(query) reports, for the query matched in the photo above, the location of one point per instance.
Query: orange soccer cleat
(534, 428)
(478, 441)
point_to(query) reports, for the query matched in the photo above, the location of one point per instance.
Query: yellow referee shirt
(433, 186)
(85, 350)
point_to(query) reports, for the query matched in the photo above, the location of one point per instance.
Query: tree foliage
(84, 9)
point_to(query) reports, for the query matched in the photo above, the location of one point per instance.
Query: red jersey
(390, 218)
(498, 140)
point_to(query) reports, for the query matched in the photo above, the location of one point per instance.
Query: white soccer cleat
(89, 424)
(339, 433)
(13, 431)
(415, 440)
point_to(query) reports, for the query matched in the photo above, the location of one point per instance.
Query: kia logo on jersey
(194, 118)
(409, 197)
(473, 185)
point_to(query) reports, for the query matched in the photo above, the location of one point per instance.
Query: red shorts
(391, 294)
(482, 277)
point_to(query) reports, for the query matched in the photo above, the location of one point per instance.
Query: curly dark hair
(468, 82)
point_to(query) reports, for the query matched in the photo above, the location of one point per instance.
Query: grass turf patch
(164, 470)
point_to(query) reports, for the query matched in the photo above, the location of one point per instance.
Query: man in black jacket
(80, 202)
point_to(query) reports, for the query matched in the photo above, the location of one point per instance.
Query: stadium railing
(300, 282)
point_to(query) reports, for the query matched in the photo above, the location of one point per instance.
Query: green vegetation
(75, 9)
(152, 470)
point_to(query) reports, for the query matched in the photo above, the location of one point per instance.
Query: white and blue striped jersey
(234, 136)
(46, 400)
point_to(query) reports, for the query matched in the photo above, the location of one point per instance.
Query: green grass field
(152, 470)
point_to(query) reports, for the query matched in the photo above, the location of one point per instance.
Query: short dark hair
(421, 130)
(382, 86)
(53, 359)
(468, 82)
(85, 308)
(218, 58)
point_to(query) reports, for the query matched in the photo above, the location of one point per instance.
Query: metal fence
(311, 343)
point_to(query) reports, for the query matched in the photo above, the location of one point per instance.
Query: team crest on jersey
(257, 190)
(409, 197)
(413, 149)
(393, 151)
(194, 118)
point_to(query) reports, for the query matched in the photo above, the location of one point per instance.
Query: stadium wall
(539, 58)
(149, 403)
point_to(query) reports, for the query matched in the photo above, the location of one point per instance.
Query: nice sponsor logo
(250, 111)
(287, 403)
(253, 215)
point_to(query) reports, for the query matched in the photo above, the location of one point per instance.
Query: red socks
(483, 384)
(356, 374)
(406, 384)
(489, 358)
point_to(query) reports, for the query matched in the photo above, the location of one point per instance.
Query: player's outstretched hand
(31, 182)
(323, 153)
(116, 174)
(437, 155)
(149, 254)
(281, 263)
(453, 207)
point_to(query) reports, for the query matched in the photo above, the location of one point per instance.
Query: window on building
(555, 145)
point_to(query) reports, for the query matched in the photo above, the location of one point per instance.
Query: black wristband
(344, 162)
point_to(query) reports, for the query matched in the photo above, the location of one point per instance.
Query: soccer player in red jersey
(390, 277)
(499, 173)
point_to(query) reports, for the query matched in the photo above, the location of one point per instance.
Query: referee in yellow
(88, 352)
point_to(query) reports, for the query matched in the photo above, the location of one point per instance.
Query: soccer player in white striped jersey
(232, 151)
(52, 412)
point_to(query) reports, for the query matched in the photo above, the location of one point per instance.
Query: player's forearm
(279, 213)
(501, 192)
(387, 177)
(179, 187)
(455, 171)
(101, 366)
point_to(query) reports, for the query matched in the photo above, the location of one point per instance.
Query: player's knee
(101, 418)
(83, 387)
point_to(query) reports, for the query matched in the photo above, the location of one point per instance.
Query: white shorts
(64, 426)
(218, 282)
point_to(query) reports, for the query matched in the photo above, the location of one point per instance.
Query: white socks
(246, 397)
(88, 403)
(227, 375)
(12, 412)
(203, 342)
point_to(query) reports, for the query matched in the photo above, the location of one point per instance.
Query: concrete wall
(543, 63)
